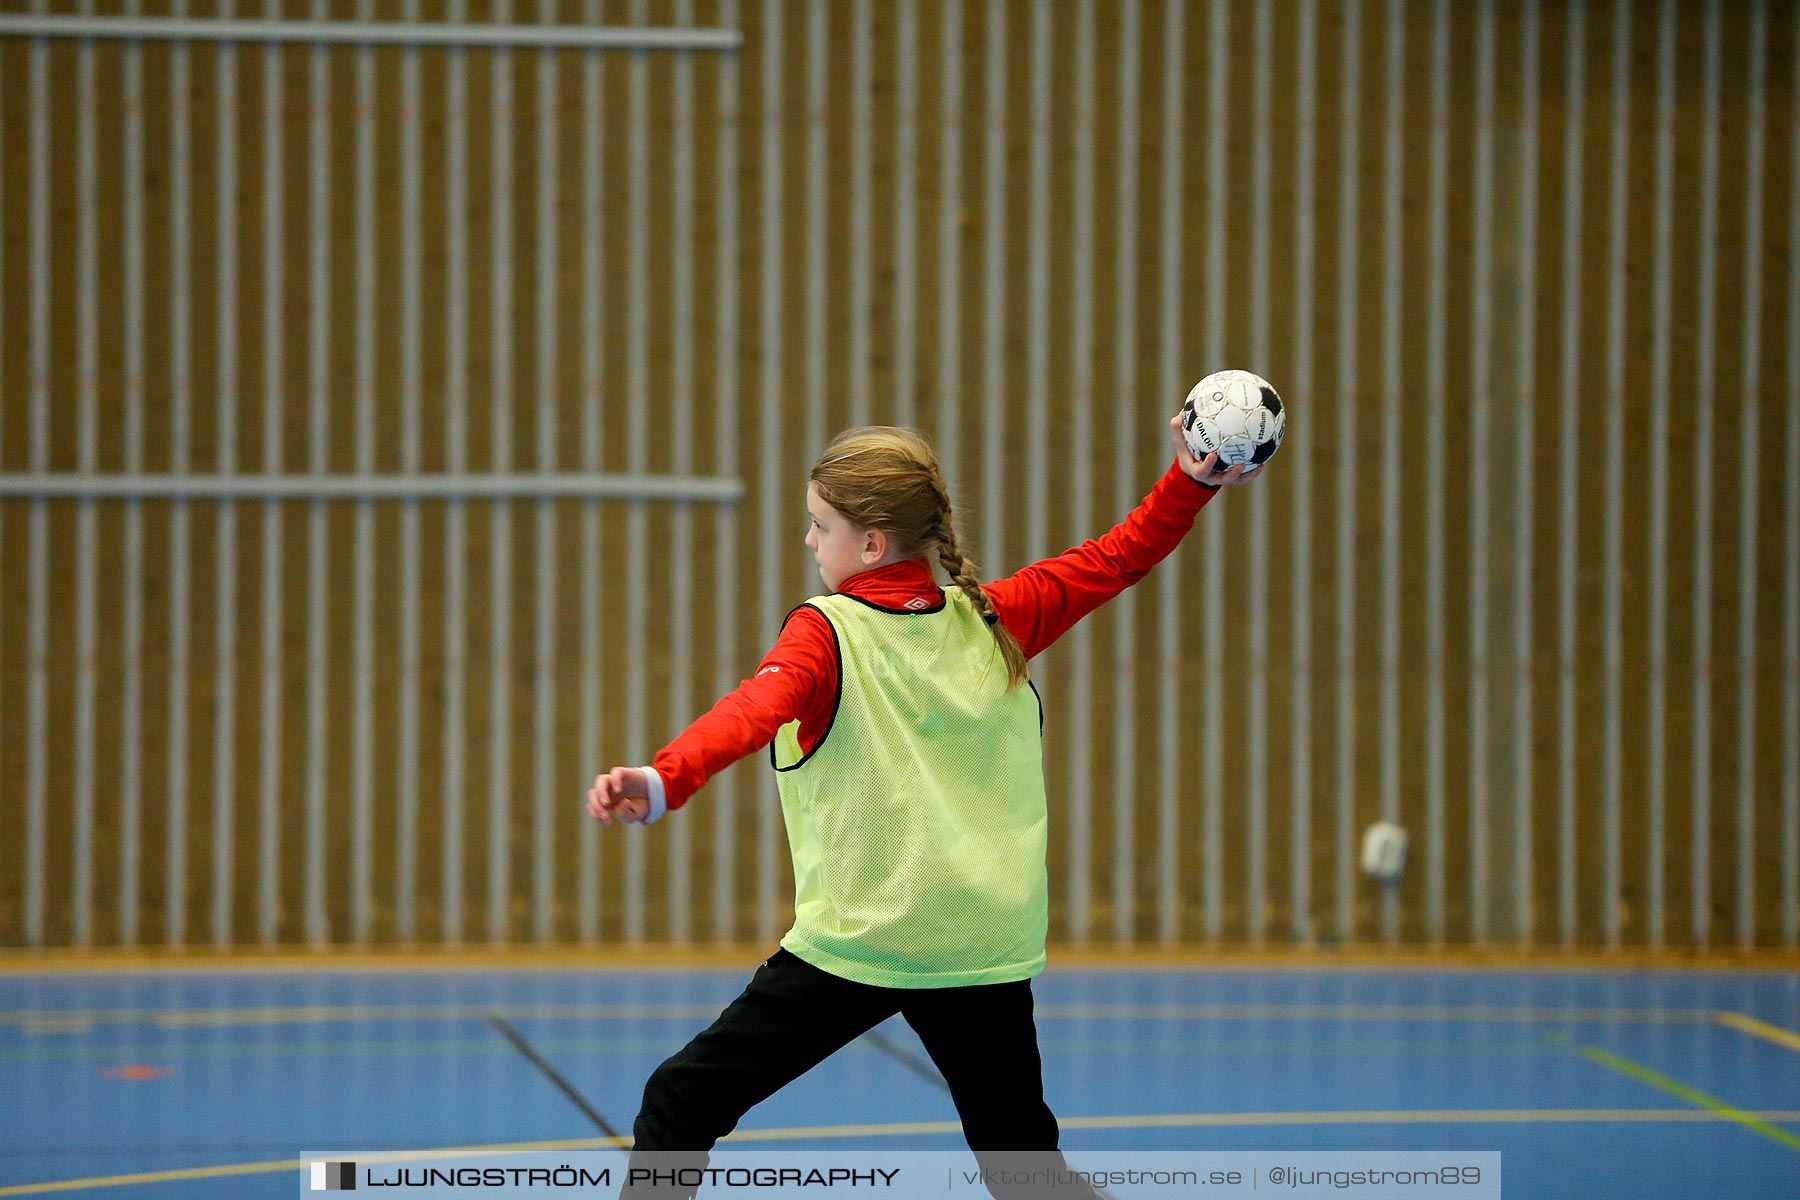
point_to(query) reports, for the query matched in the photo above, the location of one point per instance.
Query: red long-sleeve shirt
(798, 677)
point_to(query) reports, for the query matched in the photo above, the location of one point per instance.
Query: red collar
(894, 585)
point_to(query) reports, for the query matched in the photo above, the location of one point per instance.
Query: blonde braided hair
(883, 477)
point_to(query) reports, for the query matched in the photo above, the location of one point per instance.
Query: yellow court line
(277, 1165)
(105, 1181)
(1761, 1029)
(1444, 960)
(744, 956)
(56, 1021)
(1375, 1012)
(1403, 1116)
(902, 1129)
(302, 961)
(1675, 1087)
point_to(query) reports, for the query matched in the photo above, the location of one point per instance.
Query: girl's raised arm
(1043, 601)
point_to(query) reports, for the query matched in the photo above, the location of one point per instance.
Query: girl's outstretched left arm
(796, 678)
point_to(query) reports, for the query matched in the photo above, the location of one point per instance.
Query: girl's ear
(875, 544)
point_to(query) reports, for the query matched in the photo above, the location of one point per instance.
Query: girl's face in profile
(840, 548)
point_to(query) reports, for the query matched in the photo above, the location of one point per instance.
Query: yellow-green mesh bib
(918, 825)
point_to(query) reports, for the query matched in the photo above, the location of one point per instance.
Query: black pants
(793, 1016)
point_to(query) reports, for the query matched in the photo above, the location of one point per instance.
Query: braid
(962, 573)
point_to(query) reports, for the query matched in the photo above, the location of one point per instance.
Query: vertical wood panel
(1564, 548)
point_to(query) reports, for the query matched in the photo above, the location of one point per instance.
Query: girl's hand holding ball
(1207, 470)
(1232, 419)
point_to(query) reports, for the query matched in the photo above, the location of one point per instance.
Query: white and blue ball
(1236, 415)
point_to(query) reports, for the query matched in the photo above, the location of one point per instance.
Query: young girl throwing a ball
(907, 739)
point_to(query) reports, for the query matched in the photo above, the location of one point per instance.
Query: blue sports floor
(1601, 1085)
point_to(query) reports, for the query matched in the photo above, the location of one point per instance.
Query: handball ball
(1236, 414)
(1384, 851)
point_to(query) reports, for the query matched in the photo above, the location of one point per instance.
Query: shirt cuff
(1208, 488)
(659, 800)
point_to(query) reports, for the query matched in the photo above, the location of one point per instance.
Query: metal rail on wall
(330, 879)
